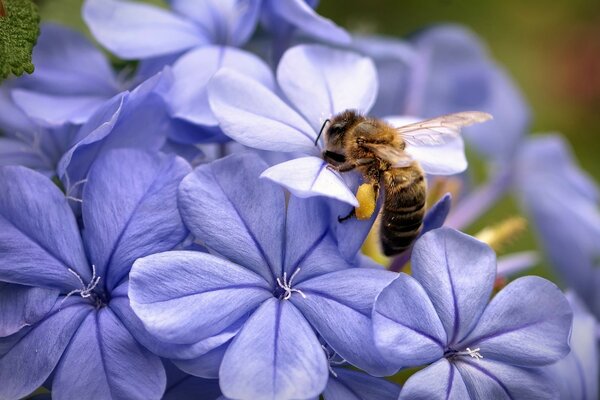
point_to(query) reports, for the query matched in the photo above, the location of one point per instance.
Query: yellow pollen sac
(366, 201)
(500, 235)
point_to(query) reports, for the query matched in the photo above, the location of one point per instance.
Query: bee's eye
(336, 129)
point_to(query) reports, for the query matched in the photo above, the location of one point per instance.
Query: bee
(377, 150)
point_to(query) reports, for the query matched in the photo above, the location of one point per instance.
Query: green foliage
(19, 29)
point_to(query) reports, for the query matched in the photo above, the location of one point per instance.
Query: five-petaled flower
(284, 282)
(441, 315)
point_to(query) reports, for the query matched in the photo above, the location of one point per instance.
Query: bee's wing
(439, 130)
(396, 157)
(436, 143)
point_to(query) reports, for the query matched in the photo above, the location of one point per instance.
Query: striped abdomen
(403, 208)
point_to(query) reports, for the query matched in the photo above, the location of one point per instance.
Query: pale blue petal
(440, 380)
(52, 110)
(487, 379)
(123, 192)
(275, 356)
(254, 116)
(188, 97)
(309, 176)
(457, 272)
(103, 361)
(183, 297)
(339, 306)
(301, 15)
(527, 323)
(67, 63)
(321, 81)
(22, 306)
(407, 329)
(30, 359)
(134, 30)
(225, 202)
(225, 22)
(39, 236)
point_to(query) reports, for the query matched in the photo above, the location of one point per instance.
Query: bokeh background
(550, 48)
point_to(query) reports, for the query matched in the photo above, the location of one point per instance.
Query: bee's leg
(350, 165)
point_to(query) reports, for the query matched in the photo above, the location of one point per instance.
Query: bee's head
(335, 131)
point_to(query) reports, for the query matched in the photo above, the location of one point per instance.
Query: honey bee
(377, 150)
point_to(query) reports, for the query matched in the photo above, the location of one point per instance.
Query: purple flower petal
(225, 22)
(67, 63)
(33, 354)
(527, 323)
(121, 306)
(135, 30)
(440, 380)
(301, 15)
(310, 244)
(54, 109)
(282, 357)
(339, 306)
(103, 360)
(188, 97)
(22, 306)
(183, 297)
(16, 152)
(39, 237)
(137, 119)
(205, 366)
(577, 373)
(124, 190)
(309, 176)
(13, 120)
(407, 328)
(354, 385)
(487, 379)
(254, 116)
(224, 202)
(321, 81)
(457, 272)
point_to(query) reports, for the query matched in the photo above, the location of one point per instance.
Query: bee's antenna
(321, 131)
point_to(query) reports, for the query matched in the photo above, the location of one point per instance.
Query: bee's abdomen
(403, 209)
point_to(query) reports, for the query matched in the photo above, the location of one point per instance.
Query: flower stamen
(287, 285)
(86, 291)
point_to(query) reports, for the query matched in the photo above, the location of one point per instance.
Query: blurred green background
(551, 49)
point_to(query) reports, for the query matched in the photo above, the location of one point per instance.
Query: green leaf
(19, 29)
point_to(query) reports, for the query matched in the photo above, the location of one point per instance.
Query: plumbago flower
(316, 82)
(441, 315)
(283, 283)
(84, 334)
(562, 203)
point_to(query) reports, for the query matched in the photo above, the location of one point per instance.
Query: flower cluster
(175, 231)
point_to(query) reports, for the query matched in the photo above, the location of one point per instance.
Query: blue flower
(280, 276)
(84, 333)
(315, 82)
(562, 203)
(441, 315)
